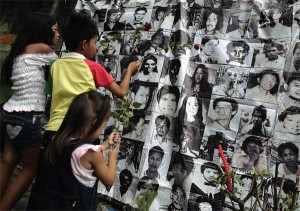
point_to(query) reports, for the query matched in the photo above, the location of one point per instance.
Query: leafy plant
(260, 179)
(110, 37)
(123, 113)
(178, 46)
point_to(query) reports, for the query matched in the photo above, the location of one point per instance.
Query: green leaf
(137, 105)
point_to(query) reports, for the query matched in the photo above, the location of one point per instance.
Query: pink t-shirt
(83, 175)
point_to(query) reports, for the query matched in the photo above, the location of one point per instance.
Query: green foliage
(107, 38)
(144, 202)
(124, 112)
(178, 46)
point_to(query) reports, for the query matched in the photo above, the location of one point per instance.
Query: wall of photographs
(230, 77)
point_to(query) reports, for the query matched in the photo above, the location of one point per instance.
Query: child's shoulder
(38, 48)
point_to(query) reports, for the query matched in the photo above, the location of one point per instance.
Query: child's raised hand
(113, 138)
(133, 67)
(113, 152)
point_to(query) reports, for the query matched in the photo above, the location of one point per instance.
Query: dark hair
(270, 72)
(91, 108)
(98, 12)
(234, 44)
(182, 116)
(158, 10)
(37, 28)
(252, 139)
(134, 89)
(180, 36)
(146, 179)
(291, 76)
(216, 12)
(174, 64)
(163, 118)
(150, 57)
(205, 87)
(157, 149)
(211, 166)
(206, 39)
(159, 33)
(287, 145)
(165, 89)
(126, 60)
(267, 46)
(78, 28)
(126, 172)
(137, 115)
(111, 11)
(140, 9)
(260, 110)
(175, 187)
(185, 161)
(181, 12)
(233, 103)
(292, 110)
(297, 46)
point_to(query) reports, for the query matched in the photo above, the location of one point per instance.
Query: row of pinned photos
(273, 21)
(210, 50)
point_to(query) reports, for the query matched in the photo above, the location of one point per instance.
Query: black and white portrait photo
(290, 95)
(182, 18)
(141, 126)
(147, 188)
(190, 126)
(174, 71)
(113, 22)
(272, 56)
(211, 140)
(250, 153)
(154, 44)
(163, 134)
(293, 60)
(212, 23)
(134, 18)
(199, 80)
(204, 194)
(159, 15)
(150, 69)
(258, 121)
(207, 52)
(222, 111)
(288, 124)
(113, 46)
(231, 82)
(178, 41)
(242, 31)
(130, 155)
(110, 64)
(124, 191)
(124, 61)
(296, 23)
(154, 166)
(263, 85)
(142, 93)
(277, 23)
(237, 53)
(167, 99)
(181, 170)
(287, 153)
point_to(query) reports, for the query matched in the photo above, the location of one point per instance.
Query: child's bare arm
(105, 173)
(121, 90)
(111, 140)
